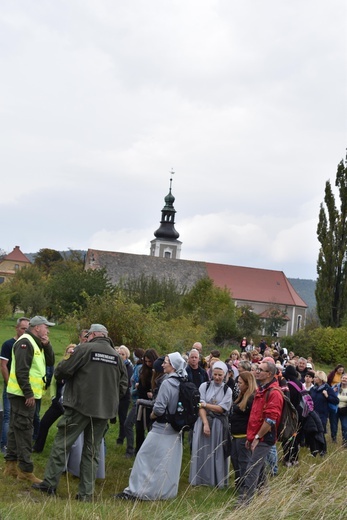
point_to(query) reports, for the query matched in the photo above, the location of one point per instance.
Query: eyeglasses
(260, 370)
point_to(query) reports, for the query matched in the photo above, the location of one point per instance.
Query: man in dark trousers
(5, 357)
(95, 379)
(262, 428)
(30, 355)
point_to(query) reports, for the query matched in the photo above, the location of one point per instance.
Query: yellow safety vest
(36, 373)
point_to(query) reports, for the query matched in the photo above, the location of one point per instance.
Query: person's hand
(30, 402)
(206, 430)
(254, 444)
(325, 393)
(149, 395)
(70, 348)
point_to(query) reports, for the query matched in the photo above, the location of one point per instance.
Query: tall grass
(316, 489)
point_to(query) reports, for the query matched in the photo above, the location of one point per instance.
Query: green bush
(325, 345)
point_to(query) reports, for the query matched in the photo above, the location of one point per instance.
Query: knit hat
(290, 372)
(158, 364)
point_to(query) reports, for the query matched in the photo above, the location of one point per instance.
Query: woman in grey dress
(156, 471)
(209, 463)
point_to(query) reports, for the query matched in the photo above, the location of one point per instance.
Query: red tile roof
(251, 284)
(17, 256)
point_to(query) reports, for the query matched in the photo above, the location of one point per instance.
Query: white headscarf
(178, 363)
(221, 366)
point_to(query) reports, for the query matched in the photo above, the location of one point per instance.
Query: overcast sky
(99, 99)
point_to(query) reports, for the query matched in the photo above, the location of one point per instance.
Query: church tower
(166, 243)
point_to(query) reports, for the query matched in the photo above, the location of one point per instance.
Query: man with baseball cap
(30, 355)
(95, 379)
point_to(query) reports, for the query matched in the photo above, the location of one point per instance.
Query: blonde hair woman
(240, 411)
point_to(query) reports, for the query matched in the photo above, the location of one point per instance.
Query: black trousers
(52, 414)
(122, 414)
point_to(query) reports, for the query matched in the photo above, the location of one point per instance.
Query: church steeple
(166, 243)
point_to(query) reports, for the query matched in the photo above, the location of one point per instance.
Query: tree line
(138, 312)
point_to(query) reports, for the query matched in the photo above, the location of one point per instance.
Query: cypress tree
(331, 287)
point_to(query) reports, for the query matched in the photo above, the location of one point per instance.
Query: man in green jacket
(30, 355)
(95, 379)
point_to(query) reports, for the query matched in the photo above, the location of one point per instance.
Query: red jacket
(265, 407)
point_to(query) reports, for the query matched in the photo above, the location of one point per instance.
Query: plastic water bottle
(180, 407)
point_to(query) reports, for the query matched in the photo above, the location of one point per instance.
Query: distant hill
(65, 254)
(306, 290)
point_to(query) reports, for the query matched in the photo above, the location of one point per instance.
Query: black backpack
(289, 422)
(187, 410)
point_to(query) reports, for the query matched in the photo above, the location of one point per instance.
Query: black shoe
(120, 441)
(124, 496)
(129, 455)
(84, 498)
(44, 487)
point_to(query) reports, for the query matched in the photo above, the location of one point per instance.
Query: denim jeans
(6, 418)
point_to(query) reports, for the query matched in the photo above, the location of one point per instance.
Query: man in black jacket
(196, 374)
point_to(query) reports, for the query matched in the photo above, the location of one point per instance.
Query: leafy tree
(275, 320)
(28, 292)
(5, 306)
(130, 324)
(162, 295)
(212, 307)
(331, 287)
(47, 258)
(2, 254)
(248, 322)
(69, 286)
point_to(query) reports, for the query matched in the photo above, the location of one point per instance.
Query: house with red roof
(11, 263)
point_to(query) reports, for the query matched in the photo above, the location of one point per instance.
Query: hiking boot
(11, 469)
(44, 487)
(29, 477)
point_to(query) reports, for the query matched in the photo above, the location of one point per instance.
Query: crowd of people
(239, 412)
